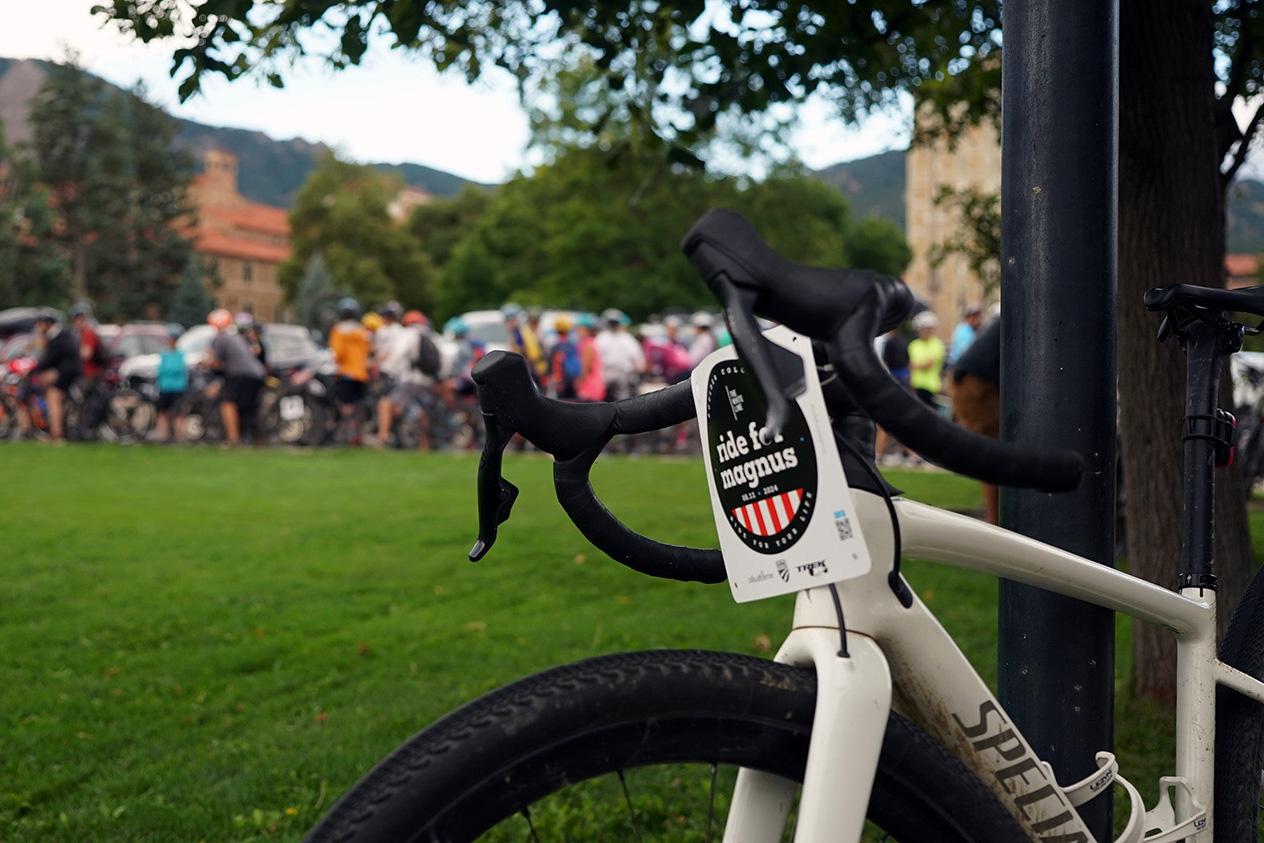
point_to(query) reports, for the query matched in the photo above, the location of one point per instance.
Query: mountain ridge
(875, 186)
(270, 171)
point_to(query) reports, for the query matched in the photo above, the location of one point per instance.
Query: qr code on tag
(843, 523)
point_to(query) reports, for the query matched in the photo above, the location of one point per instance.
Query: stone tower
(974, 161)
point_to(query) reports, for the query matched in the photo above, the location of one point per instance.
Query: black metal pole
(1059, 140)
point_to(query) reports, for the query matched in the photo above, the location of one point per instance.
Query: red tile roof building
(245, 241)
(1241, 270)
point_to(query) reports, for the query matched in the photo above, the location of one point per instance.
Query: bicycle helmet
(372, 321)
(348, 308)
(701, 319)
(415, 317)
(220, 319)
(458, 326)
(562, 324)
(613, 316)
(392, 309)
(82, 308)
(243, 320)
(511, 311)
(175, 332)
(925, 319)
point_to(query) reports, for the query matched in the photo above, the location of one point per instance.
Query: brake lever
(496, 495)
(778, 371)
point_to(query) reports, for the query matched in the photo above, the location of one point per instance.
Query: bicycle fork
(853, 702)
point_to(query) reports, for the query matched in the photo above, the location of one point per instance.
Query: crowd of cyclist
(387, 370)
(70, 355)
(390, 384)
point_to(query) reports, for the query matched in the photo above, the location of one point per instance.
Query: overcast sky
(392, 108)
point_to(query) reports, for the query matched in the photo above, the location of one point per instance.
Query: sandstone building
(974, 162)
(245, 241)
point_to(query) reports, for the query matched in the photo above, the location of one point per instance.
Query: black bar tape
(655, 410)
(937, 439)
(616, 540)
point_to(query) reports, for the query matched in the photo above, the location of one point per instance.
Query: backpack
(572, 366)
(428, 360)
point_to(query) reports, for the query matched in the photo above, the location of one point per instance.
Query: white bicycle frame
(903, 658)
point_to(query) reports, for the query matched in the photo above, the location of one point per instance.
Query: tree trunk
(79, 270)
(1171, 230)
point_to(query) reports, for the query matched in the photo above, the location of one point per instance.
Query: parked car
(108, 333)
(21, 320)
(287, 347)
(292, 347)
(487, 326)
(138, 338)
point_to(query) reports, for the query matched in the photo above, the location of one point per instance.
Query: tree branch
(1244, 148)
(1242, 56)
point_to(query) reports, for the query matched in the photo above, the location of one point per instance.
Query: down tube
(938, 687)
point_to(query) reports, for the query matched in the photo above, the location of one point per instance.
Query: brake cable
(896, 582)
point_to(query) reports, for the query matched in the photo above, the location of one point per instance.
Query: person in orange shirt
(351, 344)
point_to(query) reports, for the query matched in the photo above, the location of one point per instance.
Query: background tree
(612, 230)
(316, 297)
(586, 231)
(681, 66)
(977, 236)
(1181, 71)
(878, 244)
(65, 148)
(119, 188)
(342, 212)
(192, 301)
(439, 224)
(158, 207)
(33, 271)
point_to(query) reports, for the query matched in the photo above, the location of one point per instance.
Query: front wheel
(641, 746)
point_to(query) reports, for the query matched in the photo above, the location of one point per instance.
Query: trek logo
(767, 489)
(814, 568)
(784, 570)
(992, 734)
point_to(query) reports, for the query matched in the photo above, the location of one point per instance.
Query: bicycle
(869, 709)
(1248, 401)
(294, 409)
(197, 415)
(111, 410)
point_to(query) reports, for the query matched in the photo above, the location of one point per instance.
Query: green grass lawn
(206, 645)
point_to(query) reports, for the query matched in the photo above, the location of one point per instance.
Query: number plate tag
(292, 407)
(783, 510)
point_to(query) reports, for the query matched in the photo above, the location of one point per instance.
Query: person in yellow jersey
(523, 340)
(926, 358)
(350, 343)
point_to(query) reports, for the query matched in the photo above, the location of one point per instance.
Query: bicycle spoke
(711, 802)
(627, 798)
(526, 815)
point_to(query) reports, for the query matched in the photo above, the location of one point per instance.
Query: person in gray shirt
(243, 377)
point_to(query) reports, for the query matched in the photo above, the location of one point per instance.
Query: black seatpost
(1207, 435)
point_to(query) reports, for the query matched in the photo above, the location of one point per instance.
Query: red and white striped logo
(769, 516)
